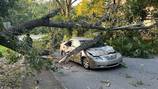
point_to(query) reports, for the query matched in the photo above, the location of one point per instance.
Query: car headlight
(97, 58)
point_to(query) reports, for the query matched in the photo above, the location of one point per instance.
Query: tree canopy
(99, 15)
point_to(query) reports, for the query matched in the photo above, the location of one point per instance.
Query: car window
(69, 43)
(75, 43)
(82, 41)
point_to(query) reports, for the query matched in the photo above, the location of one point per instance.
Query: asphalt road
(139, 74)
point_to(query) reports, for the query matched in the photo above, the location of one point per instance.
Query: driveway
(139, 74)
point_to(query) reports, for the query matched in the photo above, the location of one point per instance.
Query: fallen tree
(84, 46)
(9, 40)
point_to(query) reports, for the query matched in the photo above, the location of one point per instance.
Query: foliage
(50, 41)
(3, 51)
(137, 9)
(11, 56)
(5, 5)
(90, 7)
(129, 43)
(4, 9)
(132, 44)
(37, 62)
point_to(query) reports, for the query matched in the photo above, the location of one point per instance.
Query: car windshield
(82, 41)
(99, 51)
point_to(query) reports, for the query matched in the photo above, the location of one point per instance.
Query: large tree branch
(8, 36)
(84, 46)
(93, 26)
(29, 25)
(73, 1)
(8, 39)
(89, 44)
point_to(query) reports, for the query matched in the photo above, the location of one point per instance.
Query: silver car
(95, 57)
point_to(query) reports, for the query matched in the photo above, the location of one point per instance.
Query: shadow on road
(74, 64)
(108, 69)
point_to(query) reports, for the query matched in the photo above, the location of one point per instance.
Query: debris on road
(124, 65)
(107, 83)
(137, 83)
(128, 76)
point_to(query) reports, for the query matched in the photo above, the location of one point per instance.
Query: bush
(12, 56)
(36, 62)
(132, 44)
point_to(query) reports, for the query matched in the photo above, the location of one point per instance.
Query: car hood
(100, 51)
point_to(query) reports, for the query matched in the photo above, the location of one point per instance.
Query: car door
(77, 57)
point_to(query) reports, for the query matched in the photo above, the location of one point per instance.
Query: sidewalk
(46, 81)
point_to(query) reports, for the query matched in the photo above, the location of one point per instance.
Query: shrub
(131, 44)
(12, 56)
(36, 61)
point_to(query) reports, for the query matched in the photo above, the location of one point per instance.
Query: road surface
(139, 74)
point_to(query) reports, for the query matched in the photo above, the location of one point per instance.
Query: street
(138, 74)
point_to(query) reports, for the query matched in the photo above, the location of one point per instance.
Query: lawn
(3, 49)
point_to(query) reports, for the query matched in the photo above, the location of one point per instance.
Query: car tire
(85, 63)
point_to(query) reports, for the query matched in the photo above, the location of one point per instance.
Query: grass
(3, 50)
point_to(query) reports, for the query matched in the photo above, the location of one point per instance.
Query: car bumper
(106, 64)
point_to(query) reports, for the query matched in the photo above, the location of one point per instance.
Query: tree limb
(84, 46)
(61, 6)
(73, 1)
(8, 36)
(8, 39)
(88, 44)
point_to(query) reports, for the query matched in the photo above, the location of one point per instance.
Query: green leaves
(132, 44)
(5, 5)
(12, 56)
(36, 62)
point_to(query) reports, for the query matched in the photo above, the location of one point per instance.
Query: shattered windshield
(99, 51)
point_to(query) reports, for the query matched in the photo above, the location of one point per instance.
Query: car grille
(112, 64)
(112, 52)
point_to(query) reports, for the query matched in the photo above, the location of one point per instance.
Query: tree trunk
(84, 46)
